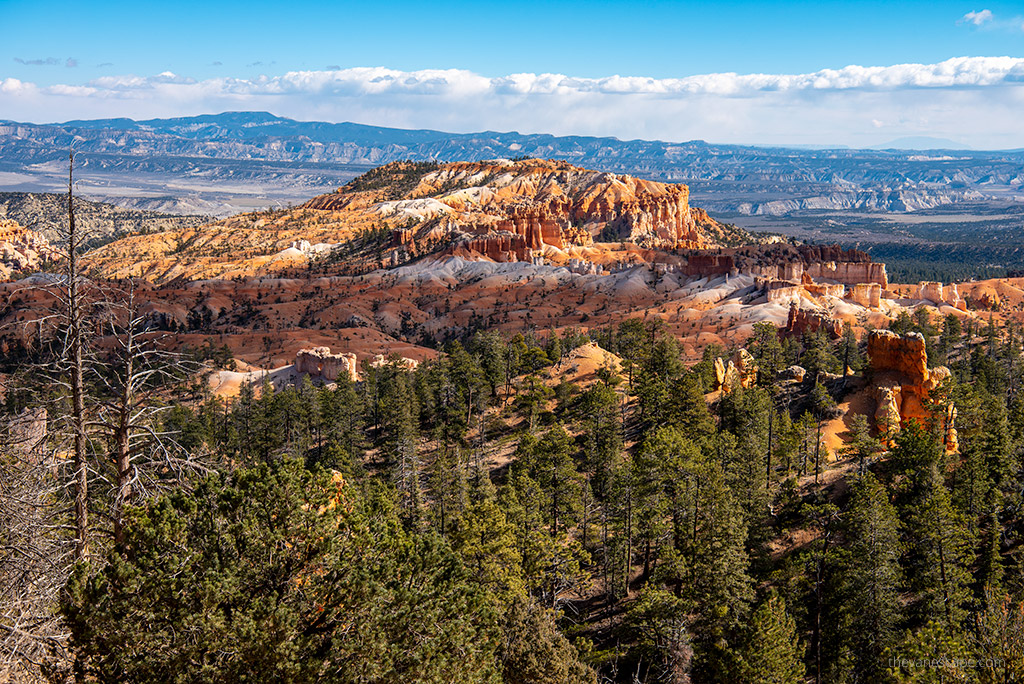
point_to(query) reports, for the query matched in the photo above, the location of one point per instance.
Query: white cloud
(978, 18)
(975, 99)
(988, 21)
(16, 87)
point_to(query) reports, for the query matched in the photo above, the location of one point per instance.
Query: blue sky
(62, 60)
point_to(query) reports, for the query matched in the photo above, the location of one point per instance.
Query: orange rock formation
(319, 362)
(499, 210)
(805, 320)
(903, 384)
(741, 371)
(868, 295)
(936, 293)
(21, 248)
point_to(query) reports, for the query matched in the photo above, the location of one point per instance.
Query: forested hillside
(501, 515)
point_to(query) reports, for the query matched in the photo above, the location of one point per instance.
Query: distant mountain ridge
(261, 135)
(302, 159)
(920, 142)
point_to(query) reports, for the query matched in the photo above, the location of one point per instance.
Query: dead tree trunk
(138, 367)
(122, 436)
(74, 321)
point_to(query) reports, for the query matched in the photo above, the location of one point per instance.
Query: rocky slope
(528, 210)
(413, 254)
(22, 250)
(47, 213)
(267, 319)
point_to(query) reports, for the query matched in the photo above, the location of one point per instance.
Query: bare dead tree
(132, 380)
(101, 380)
(44, 503)
(74, 311)
(36, 551)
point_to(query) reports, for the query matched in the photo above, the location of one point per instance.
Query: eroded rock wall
(868, 295)
(937, 294)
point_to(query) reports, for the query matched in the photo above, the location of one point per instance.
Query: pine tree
(399, 438)
(990, 564)
(551, 565)
(771, 653)
(861, 446)
(940, 554)
(534, 651)
(767, 351)
(660, 622)
(449, 484)
(872, 576)
(282, 574)
(671, 475)
(552, 467)
(745, 414)
(623, 511)
(342, 421)
(818, 356)
(687, 408)
(851, 357)
(603, 435)
(824, 405)
(719, 579)
(554, 347)
(934, 654)
(486, 542)
(914, 464)
(998, 639)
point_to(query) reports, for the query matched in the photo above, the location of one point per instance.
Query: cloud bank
(972, 99)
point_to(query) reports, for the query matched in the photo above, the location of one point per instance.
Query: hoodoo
(903, 384)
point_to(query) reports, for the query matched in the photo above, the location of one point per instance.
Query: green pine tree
(771, 653)
(872, 576)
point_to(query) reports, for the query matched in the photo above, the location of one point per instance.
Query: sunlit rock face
(936, 293)
(21, 248)
(903, 384)
(319, 362)
(868, 295)
(541, 202)
(739, 371)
